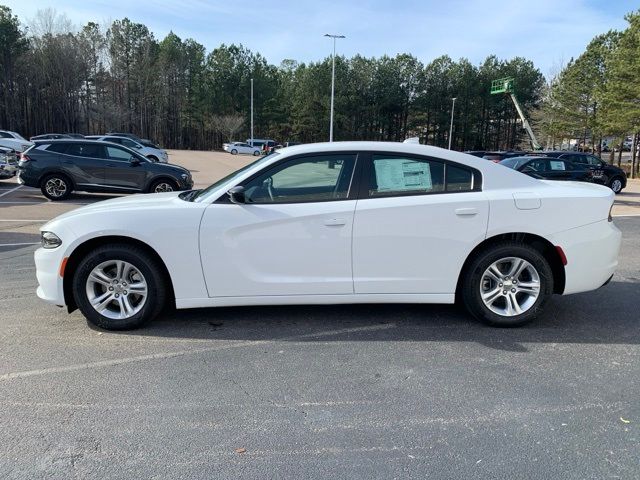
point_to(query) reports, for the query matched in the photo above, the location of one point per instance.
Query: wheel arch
(541, 244)
(81, 250)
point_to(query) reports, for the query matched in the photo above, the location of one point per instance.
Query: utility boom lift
(505, 85)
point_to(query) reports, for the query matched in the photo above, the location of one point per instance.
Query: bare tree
(228, 125)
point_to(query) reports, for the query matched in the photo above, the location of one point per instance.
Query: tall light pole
(453, 107)
(251, 112)
(333, 81)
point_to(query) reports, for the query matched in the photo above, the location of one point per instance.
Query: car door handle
(335, 222)
(466, 212)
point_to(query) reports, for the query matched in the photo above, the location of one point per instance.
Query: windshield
(204, 194)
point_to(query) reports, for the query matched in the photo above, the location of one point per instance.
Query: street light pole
(453, 107)
(333, 81)
(251, 112)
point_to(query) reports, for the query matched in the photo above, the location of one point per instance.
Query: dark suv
(58, 167)
(613, 177)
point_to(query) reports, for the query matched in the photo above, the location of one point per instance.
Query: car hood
(131, 202)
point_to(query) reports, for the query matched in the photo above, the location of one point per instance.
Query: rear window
(57, 147)
(85, 150)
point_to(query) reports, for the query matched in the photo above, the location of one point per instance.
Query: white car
(235, 148)
(154, 154)
(334, 223)
(14, 140)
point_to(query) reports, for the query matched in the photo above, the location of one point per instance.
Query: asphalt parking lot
(315, 392)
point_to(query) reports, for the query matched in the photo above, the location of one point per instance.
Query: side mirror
(236, 195)
(134, 161)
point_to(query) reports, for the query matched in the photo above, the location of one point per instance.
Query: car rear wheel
(56, 187)
(161, 186)
(507, 285)
(616, 184)
(256, 153)
(119, 287)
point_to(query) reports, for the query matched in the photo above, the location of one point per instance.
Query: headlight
(185, 176)
(50, 240)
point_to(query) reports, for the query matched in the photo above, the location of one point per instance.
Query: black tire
(147, 265)
(472, 283)
(163, 185)
(256, 153)
(615, 184)
(234, 152)
(153, 158)
(56, 186)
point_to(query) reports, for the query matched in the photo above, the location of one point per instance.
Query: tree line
(54, 78)
(597, 94)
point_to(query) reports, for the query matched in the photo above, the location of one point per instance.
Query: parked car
(336, 223)
(549, 168)
(234, 148)
(75, 135)
(8, 163)
(494, 156)
(265, 144)
(144, 141)
(14, 140)
(613, 177)
(154, 154)
(59, 167)
(49, 136)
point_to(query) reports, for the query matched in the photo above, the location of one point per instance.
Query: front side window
(392, 175)
(309, 179)
(115, 153)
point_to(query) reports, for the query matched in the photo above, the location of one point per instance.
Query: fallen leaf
(624, 421)
(240, 450)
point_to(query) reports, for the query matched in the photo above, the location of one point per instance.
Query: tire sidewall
(234, 152)
(141, 261)
(611, 184)
(64, 178)
(471, 285)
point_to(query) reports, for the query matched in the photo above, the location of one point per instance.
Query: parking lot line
(9, 191)
(182, 353)
(627, 215)
(17, 244)
(23, 220)
(38, 203)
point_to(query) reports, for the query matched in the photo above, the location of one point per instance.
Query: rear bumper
(592, 255)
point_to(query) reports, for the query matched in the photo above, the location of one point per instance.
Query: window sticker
(402, 175)
(556, 164)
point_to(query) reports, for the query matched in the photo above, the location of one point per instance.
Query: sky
(548, 32)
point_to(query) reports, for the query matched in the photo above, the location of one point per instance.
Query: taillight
(496, 161)
(24, 157)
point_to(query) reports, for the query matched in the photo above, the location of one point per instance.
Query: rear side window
(85, 150)
(57, 147)
(393, 175)
(459, 179)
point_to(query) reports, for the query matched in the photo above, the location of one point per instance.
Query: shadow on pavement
(607, 316)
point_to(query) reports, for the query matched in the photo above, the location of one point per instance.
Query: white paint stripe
(41, 203)
(17, 244)
(9, 191)
(182, 353)
(627, 215)
(24, 220)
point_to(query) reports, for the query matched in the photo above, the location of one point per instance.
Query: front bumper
(50, 284)
(592, 255)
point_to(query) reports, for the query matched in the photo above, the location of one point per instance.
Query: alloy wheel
(116, 289)
(510, 286)
(56, 187)
(163, 187)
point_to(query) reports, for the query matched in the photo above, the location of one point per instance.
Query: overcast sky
(549, 32)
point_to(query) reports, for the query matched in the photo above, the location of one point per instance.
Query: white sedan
(235, 148)
(352, 222)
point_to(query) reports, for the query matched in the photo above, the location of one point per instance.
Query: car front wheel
(162, 186)
(507, 285)
(119, 287)
(234, 152)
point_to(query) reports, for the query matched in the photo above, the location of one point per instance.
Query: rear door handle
(335, 222)
(466, 212)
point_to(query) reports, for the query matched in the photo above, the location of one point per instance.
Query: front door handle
(466, 212)
(335, 222)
